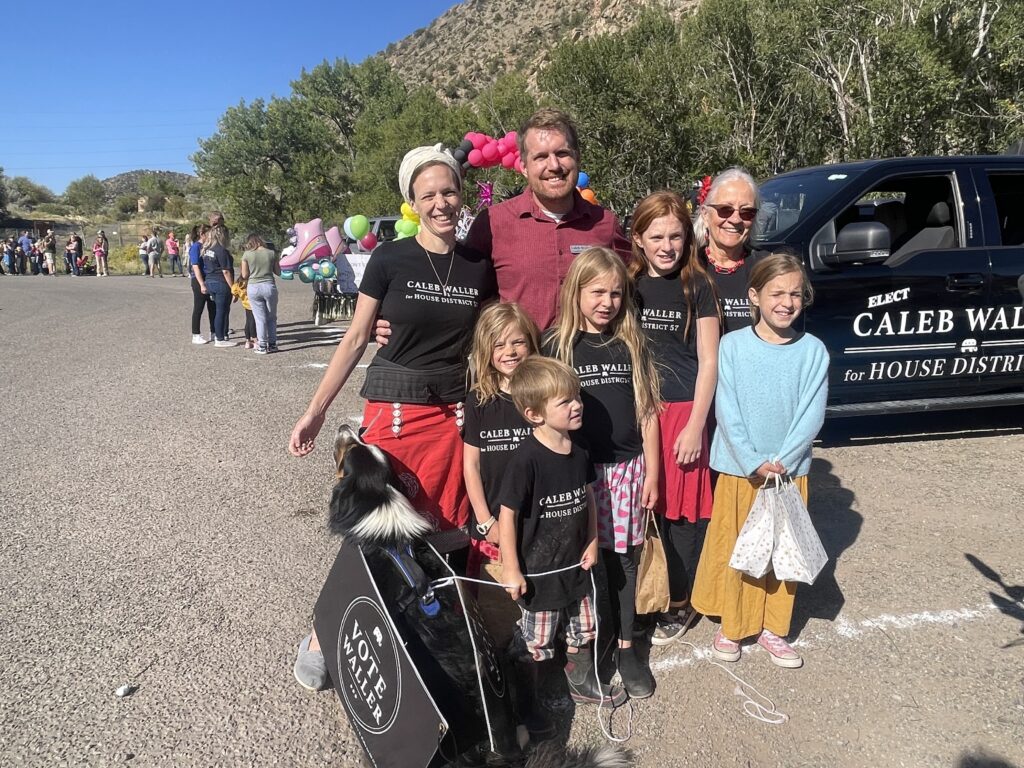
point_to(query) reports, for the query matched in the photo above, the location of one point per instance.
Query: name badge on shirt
(578, 249)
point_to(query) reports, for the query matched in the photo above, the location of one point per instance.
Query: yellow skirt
(746, 605)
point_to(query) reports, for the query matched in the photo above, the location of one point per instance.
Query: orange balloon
(588, 195)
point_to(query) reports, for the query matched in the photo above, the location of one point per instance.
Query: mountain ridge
(480, 40)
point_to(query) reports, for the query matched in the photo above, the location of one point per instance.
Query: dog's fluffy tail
(550, 754)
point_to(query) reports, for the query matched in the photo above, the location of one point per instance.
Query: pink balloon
(490, 151)
(475, 158)
(478, 140)
(505, 149)
(369, 242)
(517, 166)
(512, 138)
(508, 160)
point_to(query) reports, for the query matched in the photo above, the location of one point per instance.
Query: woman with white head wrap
(430, 288)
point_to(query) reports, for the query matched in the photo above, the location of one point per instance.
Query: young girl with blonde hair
(503, 337)
(598, 334)
(770, 404)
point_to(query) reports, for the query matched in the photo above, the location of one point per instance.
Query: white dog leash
(448, 581)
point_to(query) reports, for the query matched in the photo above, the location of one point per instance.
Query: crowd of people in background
(215, 286)
(26, 255)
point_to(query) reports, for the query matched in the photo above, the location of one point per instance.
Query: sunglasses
(726, 212)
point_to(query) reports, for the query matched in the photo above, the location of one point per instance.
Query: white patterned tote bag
(752, 553)
(798, 555)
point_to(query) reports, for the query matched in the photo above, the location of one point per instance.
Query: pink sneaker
(779, 651)
(725, 649)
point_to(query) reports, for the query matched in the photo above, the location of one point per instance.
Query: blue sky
(126, 85)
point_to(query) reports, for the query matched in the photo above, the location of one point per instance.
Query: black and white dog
(440, 627)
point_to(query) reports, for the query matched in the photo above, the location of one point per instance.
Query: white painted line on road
(845, 628)
(314, 365)
(842, 627)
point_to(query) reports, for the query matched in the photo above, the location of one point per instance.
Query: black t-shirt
(663, 312)
(549, 491)
(732, 293)
(215, 259)
(496, 429)
(610, 433)
(431, 302)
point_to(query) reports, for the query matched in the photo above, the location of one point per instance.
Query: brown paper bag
(652, 592)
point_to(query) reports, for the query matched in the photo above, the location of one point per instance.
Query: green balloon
(359, 226)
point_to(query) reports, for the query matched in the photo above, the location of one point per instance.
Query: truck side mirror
(861, 242)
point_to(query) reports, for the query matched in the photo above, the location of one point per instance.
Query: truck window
(919, 212)
(386, 230)
(791, 198)
(1008, 189)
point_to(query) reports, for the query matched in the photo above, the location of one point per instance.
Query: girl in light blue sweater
(770, 404)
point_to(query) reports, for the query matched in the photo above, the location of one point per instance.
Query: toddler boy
(548, 521)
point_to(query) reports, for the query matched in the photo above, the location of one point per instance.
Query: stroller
(86, 264)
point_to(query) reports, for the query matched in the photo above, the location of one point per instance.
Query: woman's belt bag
(391, 382)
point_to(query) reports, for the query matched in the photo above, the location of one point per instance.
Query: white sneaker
(197, 338)
(225, 343)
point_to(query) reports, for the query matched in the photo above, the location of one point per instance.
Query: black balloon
(466, 146)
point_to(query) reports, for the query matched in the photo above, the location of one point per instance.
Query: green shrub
(124, 260)
(126, 204)
(54, 209)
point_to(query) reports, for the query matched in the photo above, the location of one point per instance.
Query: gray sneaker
(310, 667)
(671, 626)
(667, 629)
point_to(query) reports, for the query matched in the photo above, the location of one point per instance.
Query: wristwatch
(483, 528)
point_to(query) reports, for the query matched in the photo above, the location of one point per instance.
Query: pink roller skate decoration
(312, 244)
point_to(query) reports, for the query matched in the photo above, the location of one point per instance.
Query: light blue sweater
(770, 402)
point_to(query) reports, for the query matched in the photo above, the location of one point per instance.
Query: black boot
(584, 686)
(636, 677)
(531, 713)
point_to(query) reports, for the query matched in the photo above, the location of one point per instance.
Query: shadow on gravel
(922, 427)
(1010, 602)
(307, 336)
(838, 525)
(983, 760)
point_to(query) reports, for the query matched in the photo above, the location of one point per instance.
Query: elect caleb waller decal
(936, 343)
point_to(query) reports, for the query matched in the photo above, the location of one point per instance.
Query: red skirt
(684, 493)
(425, 448)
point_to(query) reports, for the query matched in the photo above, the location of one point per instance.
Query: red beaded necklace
(718, 267)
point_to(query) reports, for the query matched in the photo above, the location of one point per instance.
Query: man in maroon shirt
(533, 237)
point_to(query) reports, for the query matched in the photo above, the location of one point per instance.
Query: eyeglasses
(726, 212)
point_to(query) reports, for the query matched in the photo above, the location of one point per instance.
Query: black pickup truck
(918, 271)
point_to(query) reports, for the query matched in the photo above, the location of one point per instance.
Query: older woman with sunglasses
(722, 229)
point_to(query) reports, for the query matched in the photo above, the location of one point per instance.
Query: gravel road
(155, 533)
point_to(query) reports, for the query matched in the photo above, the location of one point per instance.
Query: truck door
(897, 323)
(1001, 195)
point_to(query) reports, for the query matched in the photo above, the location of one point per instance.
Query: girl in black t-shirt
(504, 336)
(681, 319)
(598, 334)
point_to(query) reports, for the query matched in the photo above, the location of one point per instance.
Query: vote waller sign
(388, 704)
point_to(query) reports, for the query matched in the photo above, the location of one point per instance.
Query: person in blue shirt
(200, 298)
(770, 404)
